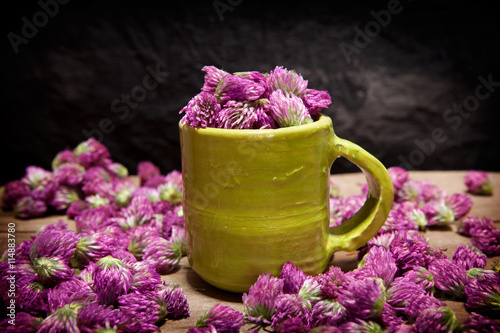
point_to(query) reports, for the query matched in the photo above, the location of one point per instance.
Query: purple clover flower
(90, 153)
(293, 325)
(41, 183)
(332, 282)
(469, 257)
(162, 254)
(359, 325)
(419, 276)
(420, 303)
(70, 174)
(147, 170)
(364, 299)
(448, 276)
(73, 290)
(472, 225)
(238, 115)
(287, 80)
(28, 207)
(483, 292)
(478, 182)
(54, 243)
(91, 248)
(24, 323)
(288, 110)
(95, 317)
(398, 177)
(64, 196)
(488, 241)
(437, 320)
(145, 307)
(316, 100)
(96, 174)
(327, 312)
(259, 302)
(91, 220)
(137, 213)
(144, 277)
(201, 111)
(290, 306)
(175, 300)
(51, 270)
(223, 318)
(237, 88)
(111, 280)
(14, 191)
(62, 157)
(459, 203)
(63, 320)
(477, 323)
(213, 77)
(378, 263)
(292, 277)
(115, 169)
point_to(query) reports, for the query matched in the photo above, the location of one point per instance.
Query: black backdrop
(417, 83)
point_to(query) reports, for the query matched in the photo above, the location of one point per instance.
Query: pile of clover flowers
(106, 276)
(400, 282)
(252, 100)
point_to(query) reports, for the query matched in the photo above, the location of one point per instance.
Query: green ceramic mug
(256, 199)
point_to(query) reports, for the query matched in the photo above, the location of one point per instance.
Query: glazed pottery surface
(256, 199)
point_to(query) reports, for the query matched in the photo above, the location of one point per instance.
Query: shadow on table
(203, 287)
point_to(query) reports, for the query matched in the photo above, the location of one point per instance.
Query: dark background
(61, 85)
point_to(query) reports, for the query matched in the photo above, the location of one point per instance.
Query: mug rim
(322, 121)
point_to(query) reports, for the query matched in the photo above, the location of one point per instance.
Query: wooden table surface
(202, 296)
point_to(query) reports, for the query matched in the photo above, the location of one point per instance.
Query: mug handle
(362, 226)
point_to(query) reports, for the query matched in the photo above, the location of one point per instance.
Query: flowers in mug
(253, 100)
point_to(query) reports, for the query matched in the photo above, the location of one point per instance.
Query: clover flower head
(144, 276)
(292, 277)
(478, 182)
(175, 300)
(62, 320)
(162, 254)
(442, 319)
(448, 276)
(237, 88)
(92, 248)
(379, 263)
(137, 213)
(73, 290)
(259, 302)
(410, 190)
(469, 257)
(310, 290)
(147, 170)
(421, 302)
(396, 220)
(238, 115)
(473, 225)
(419, 276)
(287, 80)
(213, 77)
(364, 298)
(62, 157)
(97, 200)
(14, 191)
(64, 196)
(70, 174)
(28, 207)
(410, 253)
(431, 192)
(96, 174)
(488, 241)
(170, 192)
(288, 110)
(223, 318)
(327, 312)
(54, 243)
(398, 177)
(201, 111)
(124, 190)
(146, 306)
(459, 203)
(140, 237)
(90, 152)
(359, 325)
(316, 100)
(291, 306)
(332, 282)
(483, 292)
(111, 280)
(95, 317)
(419, 218)
(51, 270)
(478, 323)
